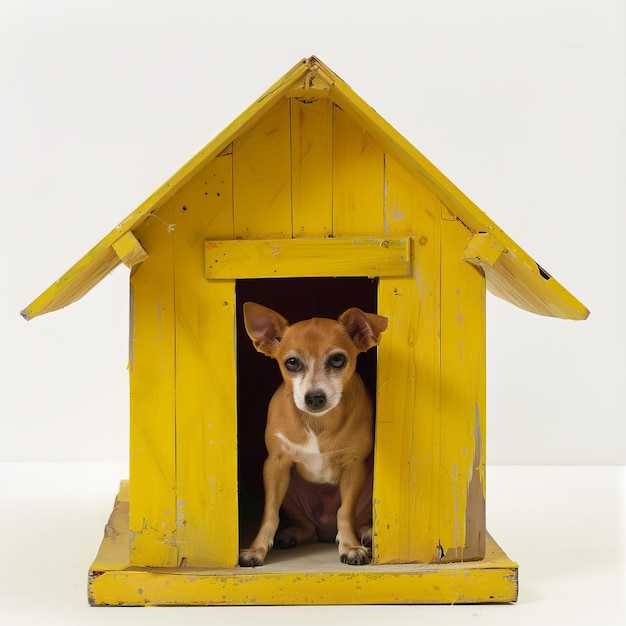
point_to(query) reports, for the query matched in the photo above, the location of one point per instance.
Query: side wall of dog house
(151, 365)
(430, 454)
(183, 500)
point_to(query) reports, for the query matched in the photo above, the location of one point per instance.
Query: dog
(319, 433)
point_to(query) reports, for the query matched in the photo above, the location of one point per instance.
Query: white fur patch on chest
(309, 455)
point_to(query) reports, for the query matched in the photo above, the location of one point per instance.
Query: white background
(520, 103)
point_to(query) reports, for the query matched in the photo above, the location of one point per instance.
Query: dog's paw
(285, 540)
(356, 556)
(251, 558)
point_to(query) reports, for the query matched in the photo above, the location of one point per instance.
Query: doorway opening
(258, 376)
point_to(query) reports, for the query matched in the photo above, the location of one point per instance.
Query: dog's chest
(316, 465)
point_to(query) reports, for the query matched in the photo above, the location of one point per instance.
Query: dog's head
(317, 357)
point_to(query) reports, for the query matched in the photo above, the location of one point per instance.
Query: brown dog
(319, 433)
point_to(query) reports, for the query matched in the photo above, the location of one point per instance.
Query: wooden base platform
(306, 575)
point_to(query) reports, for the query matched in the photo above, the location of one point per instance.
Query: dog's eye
(337, 361)
(293, 364)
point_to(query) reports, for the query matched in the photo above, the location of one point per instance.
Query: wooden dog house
(309, 202)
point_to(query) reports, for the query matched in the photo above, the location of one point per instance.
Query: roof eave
(516, 277)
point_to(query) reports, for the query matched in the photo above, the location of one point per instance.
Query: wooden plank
(482, 248)
(75, 283)
(463, 376)
(406, 510)
(431, 399)
(206, 415)
(525, 284)
(311, 162)
(152, 400)
(129, 249)
(358, 179)
(262, 177)
(283, 258)
(305, 576)
(206, 428)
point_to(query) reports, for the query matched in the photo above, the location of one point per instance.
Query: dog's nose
(315, 400)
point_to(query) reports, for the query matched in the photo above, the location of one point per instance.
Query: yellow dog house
(309, 202)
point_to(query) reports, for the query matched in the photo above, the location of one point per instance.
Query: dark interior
(258, 376)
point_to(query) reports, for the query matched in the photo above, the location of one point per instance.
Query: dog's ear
(264, 326)
(364, 328)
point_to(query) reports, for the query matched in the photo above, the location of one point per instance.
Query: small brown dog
(319, 433)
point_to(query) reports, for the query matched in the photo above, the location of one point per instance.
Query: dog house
(309, 202)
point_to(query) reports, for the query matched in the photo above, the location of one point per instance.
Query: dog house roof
(511, 273)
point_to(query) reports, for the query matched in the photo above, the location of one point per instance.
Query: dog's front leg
(276, 472)
(351, 482)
